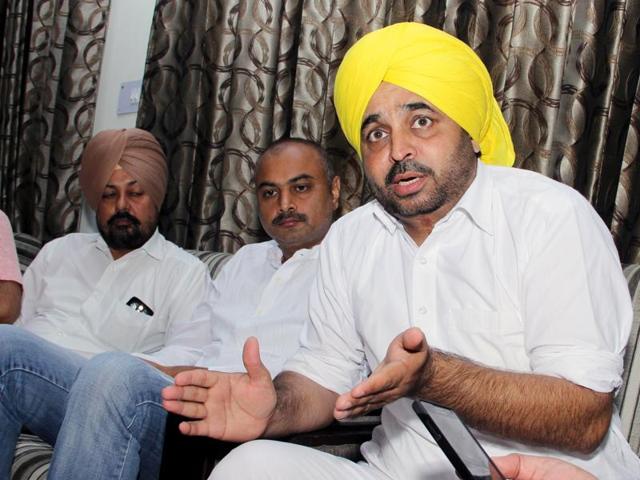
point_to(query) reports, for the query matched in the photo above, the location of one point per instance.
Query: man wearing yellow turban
(482, 288)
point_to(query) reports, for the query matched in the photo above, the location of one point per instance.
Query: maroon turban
(136, 151)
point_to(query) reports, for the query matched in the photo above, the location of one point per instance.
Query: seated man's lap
(272, 459)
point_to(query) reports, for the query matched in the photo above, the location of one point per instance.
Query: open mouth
(407, 183)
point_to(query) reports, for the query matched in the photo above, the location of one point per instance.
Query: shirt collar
(152, 247)
(476, 203)
(274, 253)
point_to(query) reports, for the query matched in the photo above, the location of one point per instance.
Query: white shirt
(521, 275)
(75, 295)
(257, 295)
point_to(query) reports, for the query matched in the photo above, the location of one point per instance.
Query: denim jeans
(104, 416)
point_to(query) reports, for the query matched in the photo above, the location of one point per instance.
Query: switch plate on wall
(129, 97)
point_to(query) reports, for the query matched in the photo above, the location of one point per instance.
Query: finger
(251, 360)
(383, 379)
(198, 428)
(508, 465)
(198, 377)
(358, 410)
(188, 393)
(186, 409)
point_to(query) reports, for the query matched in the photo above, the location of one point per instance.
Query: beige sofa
(32, 455)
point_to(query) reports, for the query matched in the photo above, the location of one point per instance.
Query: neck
(116, 254)
(419, 227)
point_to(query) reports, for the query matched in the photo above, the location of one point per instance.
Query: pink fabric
(9, 268)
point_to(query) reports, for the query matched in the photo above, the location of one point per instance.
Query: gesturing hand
(227, 406)
(398, 375)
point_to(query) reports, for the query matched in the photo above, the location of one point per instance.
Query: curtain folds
(224, 79)
(48, 91)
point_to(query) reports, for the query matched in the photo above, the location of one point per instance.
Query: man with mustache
(114, 420)
(494, 291)
(126, 288)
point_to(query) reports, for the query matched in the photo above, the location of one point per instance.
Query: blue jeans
(104, 416)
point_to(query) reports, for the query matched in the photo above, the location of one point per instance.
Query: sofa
(33, 456)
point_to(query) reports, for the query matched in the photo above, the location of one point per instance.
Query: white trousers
(271, 459)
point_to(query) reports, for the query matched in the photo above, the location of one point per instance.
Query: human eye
(268, 193)
(136, 193)
(376, 135)
(301, 187)
(108, 194)
(421, 122)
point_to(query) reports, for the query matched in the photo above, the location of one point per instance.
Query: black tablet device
(467, 456)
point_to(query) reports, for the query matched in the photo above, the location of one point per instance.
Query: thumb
(252, 362)
(413, 340)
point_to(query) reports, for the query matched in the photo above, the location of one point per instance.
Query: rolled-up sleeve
(578, 310)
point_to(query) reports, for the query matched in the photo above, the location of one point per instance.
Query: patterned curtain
(224, 79)
(51, 54)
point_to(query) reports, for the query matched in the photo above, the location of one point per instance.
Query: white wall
(125, 52)
(124, 55)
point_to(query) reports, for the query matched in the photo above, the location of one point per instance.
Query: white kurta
(521, 275)
(257, 295)
(75, 295)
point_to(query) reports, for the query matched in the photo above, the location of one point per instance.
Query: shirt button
(423, 260)
(422, 310)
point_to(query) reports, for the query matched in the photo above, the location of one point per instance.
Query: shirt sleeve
(9, 266)
(576, 301)
(331, 352)
(189, 330)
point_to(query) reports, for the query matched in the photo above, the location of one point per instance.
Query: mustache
(284, 216)
(123, 216)
(404, 167)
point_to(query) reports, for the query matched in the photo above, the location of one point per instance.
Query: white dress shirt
(521, 275)
(75, 295)
(257, 295)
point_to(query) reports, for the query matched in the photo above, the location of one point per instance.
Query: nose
(122, 203)
(286, 201)
(402, 146)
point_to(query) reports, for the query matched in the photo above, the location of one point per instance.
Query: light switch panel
(129, 96)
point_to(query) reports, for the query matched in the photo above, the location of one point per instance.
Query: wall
(125, 52)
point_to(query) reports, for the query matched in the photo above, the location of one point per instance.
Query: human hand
(398, 375)
(529, 467)
(172, 371)
(228, 406)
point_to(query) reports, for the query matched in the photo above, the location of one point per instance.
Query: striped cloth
(32, 458)
(628, 395)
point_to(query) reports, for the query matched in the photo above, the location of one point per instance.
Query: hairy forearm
(532, 408)
(302, 405)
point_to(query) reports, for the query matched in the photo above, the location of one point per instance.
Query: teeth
(407, 181)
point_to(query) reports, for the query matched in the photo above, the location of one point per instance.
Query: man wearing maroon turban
(125, 288)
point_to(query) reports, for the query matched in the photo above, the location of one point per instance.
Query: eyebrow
(303, 176)
(374, 117)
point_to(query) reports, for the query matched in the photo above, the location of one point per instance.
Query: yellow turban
(428, 62)
(136, 151)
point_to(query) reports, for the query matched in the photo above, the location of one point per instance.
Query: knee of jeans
(114, 378)
(15, 341)
(252, 459)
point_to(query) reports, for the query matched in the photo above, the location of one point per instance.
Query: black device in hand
(453, 437)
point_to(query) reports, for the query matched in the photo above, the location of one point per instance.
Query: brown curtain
(51, 54)
(224, 79)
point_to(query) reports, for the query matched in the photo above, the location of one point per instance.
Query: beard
(449, 186)
(127, 237)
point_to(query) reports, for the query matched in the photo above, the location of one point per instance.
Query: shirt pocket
(123, 329)
(494, 338)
